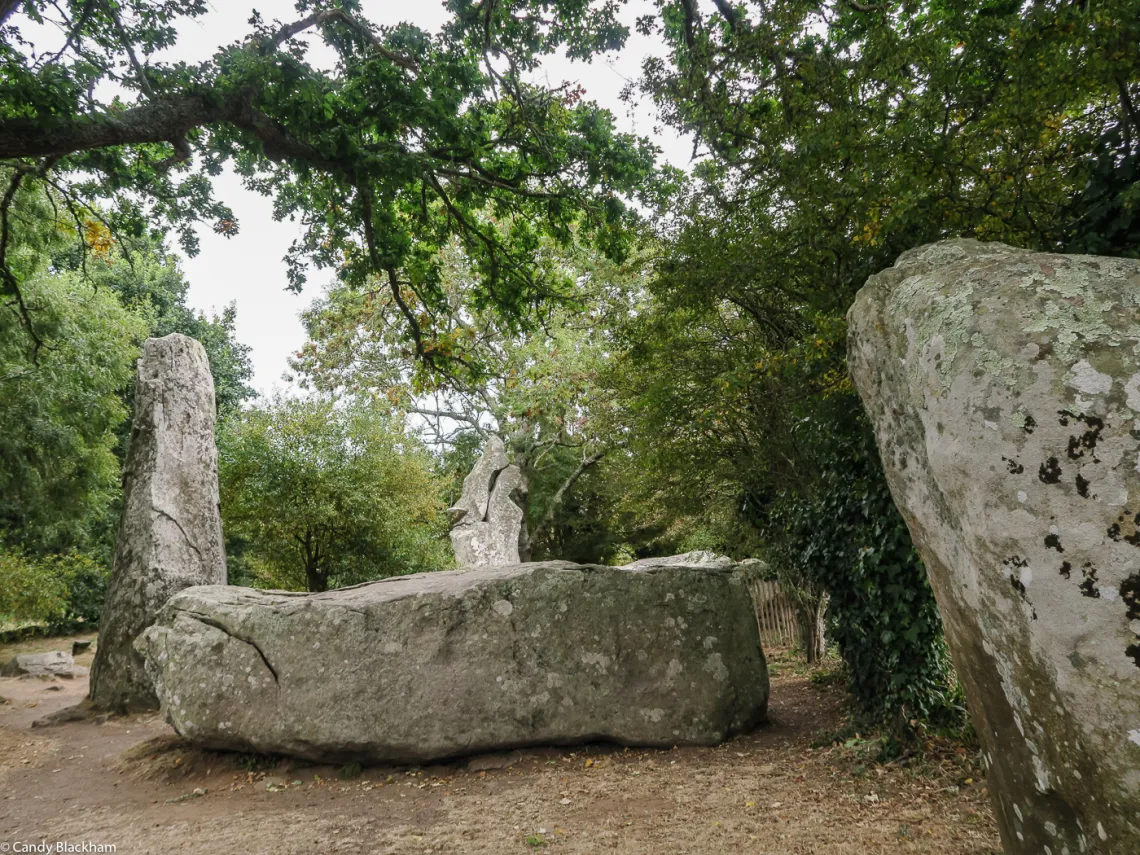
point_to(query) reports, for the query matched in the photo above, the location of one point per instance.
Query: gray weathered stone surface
(488, 520)
(436, 665)
(472, 505)
(1004, 387)
(54, 664)
(697, 557)
(170, 533)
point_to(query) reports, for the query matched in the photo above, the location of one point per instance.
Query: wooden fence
(775, 615)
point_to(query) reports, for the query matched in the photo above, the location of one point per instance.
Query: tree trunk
(316, 580)
(556, 502)
(809, 616)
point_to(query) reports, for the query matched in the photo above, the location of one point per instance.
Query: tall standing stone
(170, 533)
(489, 525)
(1004, 387)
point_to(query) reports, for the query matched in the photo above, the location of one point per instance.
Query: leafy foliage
(846, 537)
(319, 495)
(61, 591)
(538, 391)
(1104, 218)
(411, 141)
(58, 416)
(30, 591)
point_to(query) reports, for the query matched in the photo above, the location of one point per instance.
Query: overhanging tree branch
(153, 122)
(163, 120)
(318, 18)
(7, 8)
(729, 14)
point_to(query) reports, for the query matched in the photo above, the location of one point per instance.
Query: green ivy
(847, 537)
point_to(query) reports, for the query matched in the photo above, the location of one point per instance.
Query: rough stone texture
(435, 665)
(488, 521)
(1004, 387)
(55, 664)
(170, 533)
(472, 505)
(696, 557)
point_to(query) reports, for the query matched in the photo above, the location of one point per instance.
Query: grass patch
(349, 771)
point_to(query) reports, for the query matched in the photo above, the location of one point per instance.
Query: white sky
(249, 269)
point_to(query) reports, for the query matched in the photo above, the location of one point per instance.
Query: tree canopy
(412, 140)
(538, 391)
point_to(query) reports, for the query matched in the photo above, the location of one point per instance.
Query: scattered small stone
(198, 793)
(43, 666)
(79, 712)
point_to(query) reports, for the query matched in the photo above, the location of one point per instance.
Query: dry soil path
(130, 783)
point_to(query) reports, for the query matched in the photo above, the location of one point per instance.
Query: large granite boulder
(170, 533)
(436, 665)
(488, 525)
(1004, 387)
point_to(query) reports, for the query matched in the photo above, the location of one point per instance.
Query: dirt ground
(129, 782)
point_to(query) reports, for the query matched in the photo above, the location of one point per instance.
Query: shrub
(58, 591)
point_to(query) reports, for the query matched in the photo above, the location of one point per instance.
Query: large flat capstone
(436, 665)
(1004, 387)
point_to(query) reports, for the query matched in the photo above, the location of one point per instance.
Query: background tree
(537, 390)
(322, 496)
(59, 416)
(837, 136)
(148, 279)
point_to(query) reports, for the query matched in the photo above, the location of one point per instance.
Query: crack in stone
(209, 621)
(185, 536)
